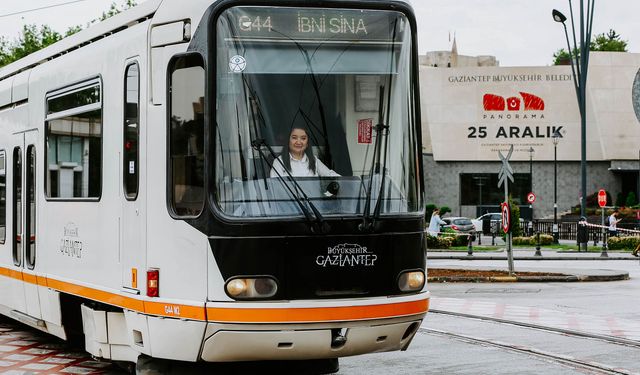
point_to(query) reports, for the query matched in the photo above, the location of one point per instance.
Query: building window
(3, 196)
(131, 131)
(481, 189)
(186, 135)
(73, 139)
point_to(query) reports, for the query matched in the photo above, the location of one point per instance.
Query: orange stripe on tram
(29, 278)
(230, 314)
(316, 314)
(10, 273)
(175, 310)
(98, 295)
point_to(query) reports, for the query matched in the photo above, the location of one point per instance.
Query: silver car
(459, 224)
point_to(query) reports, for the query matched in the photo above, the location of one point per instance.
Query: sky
(516, 32)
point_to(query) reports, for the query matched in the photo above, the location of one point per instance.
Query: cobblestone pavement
(24, 350)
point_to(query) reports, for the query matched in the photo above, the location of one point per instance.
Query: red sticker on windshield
(364, 130)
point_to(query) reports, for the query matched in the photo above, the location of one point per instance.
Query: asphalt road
(599, 308)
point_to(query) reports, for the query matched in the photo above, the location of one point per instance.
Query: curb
(559, 277)
(491, 257)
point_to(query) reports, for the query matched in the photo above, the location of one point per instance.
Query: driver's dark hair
(286, 155)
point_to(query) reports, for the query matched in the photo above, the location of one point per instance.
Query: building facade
(470, 113)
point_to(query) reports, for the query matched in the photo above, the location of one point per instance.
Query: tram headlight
(411, 281)
(251, 287)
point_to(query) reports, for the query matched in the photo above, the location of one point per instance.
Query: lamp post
(555, 137)
(531, 151)
(479, 182)
(579, 70)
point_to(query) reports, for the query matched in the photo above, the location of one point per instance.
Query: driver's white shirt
(300, 168)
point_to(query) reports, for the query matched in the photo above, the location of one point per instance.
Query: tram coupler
(338, 338)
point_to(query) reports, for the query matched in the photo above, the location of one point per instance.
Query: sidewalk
(526, 253)
(559, 274)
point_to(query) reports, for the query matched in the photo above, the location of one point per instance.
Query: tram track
(544, 355)
(553, 350)
(568, 332)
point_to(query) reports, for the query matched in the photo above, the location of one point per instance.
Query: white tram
(139, 209)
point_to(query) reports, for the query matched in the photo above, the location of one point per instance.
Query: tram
(145, 208)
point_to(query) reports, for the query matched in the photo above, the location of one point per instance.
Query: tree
(516, 230)
(608, 42)
(603, 42)
(114, 9)
(561, 56)
(33, 39)
(631, 199)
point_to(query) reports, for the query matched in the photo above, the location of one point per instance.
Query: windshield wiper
(257, 144)
(368, 221)
(299, 195)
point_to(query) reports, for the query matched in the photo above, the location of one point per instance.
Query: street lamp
(579, 72)
(480, 184)
(555, 138)
(531, 151)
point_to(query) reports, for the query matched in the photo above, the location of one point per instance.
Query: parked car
(491, 216)
(459, 224)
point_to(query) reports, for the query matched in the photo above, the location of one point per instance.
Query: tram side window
(3, 196)
(186, 135)
(131, 130)
(73, 139)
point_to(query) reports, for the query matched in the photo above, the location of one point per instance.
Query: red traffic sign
(506, 216)
(531, 197)
(602, 198)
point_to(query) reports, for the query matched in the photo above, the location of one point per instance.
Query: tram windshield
(315, 107)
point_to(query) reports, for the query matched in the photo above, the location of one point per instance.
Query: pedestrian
(613, 224)
(435, 222)
(636, 250)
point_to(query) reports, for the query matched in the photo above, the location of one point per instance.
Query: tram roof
(101, 30)
(96, 32)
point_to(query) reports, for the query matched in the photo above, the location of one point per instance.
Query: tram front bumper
(289, 343)
(311, 329)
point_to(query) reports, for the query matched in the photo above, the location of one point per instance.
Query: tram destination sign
(314, 23)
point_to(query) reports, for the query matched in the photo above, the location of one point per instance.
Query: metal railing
(569, 230)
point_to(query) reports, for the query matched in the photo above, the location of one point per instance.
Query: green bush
(428, 210)
(631, 199)
(438, 242)
(623, 243)
(620, 199)
(516, 230)
(522, 241)
(444, 210)
(545, 240)
(455, 240)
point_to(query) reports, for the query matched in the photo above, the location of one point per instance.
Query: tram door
(24, 216)
(132, 221)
